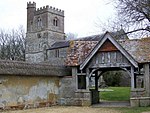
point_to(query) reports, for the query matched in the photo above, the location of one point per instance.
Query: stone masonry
(45, 25)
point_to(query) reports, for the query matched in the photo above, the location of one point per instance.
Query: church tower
(45, 26)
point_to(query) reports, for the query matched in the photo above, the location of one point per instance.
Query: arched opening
(112, 85)
(39, 22)
(106, 85)
(55, 21)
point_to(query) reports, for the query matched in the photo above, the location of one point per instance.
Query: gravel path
(57, 109)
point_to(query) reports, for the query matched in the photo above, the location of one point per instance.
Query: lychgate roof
(109, 37)
(137, 49)
(78, 51)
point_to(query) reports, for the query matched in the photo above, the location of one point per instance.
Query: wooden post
(147, 79)
(132, 78)
(96, 81)
(87, 79)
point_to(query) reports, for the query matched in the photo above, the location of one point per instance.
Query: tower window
(39, 35)
(55, 21)
(57, 53)
(39, 22)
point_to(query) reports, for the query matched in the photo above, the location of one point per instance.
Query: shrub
(112, 78)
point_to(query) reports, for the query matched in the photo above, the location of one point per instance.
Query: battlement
(31, 5)
(49, 9)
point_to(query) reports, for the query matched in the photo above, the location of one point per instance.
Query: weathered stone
(44, 27)
(134, 102)
(138, 92)
(86, 102)
(20, 90)
(144, 101)
(140, 102)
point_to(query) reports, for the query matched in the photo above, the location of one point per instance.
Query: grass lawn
(122, 94)
(118, 94)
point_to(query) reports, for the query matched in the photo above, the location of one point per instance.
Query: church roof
(59, 44)
(119, 35)
(31, 69)
(138, 48)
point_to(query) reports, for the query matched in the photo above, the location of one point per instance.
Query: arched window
(55, 21)
(39, 22)
(39, 35)
(57, 53)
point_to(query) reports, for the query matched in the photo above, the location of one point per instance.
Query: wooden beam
(132, 78)
(147, 79)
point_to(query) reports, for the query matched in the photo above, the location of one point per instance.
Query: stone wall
(57, 56)
(35, 57)
(67, 91)
(138, 92)
(28, 90)
(141, 96)
(62, 53)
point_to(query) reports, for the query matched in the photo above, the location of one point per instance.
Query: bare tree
(134, 15)
(12, 44)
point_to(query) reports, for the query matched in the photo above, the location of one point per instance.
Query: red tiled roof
(78, 51)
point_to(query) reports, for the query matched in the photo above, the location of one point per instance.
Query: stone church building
(59, 72)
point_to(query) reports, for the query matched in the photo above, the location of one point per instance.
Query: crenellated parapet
(31, 4)
(49, 9)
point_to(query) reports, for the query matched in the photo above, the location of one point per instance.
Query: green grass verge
(118, 94)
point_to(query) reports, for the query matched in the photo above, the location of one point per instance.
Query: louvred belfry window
(55, 21)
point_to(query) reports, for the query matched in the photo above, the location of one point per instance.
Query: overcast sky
(80, 15)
